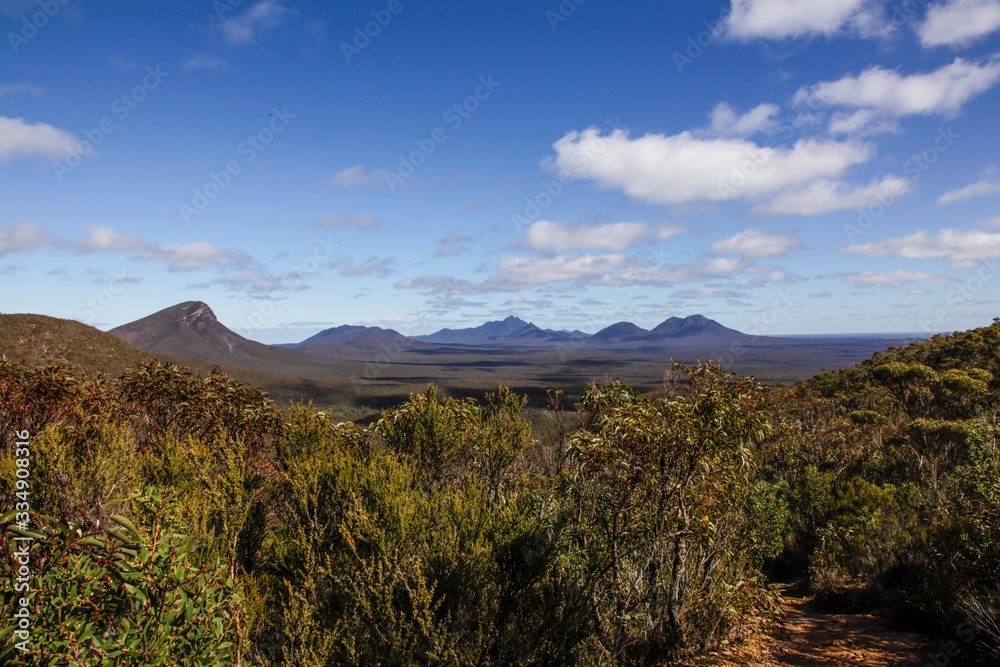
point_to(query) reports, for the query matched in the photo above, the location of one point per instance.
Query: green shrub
(115, 591)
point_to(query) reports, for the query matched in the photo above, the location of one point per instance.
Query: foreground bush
(115, 591)
(671, 523)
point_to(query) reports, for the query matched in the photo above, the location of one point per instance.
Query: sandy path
(809, 637)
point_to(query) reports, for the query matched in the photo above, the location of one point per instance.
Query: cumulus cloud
(528, 271)
(959, 22)
(19, 138)
(22, 237)
(963, 248)
(356, 177)
(826, 196)
(102, 238)
(726, 122)
(891, 94)
(683, 168)
(890, 278)
(757, 244)
(861, 123)
(258, 20)
(777, 19)
(362, 221)
(989, 184)
(190, 256)
(560, 237)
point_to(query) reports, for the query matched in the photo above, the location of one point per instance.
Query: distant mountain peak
(689, 326)
(489, 332)
(353, 334)
(620, 330)
(189, 329)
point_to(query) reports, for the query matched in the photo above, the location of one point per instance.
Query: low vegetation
(179, 520)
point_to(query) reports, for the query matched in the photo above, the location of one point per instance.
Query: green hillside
(39, 340)
(891, 470)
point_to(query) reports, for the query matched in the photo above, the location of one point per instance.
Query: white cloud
(528, 271)
(890, 278)
(260, 19)
(890, 94)
(362, 221)
(19, 138)
(726, 122)
(777, 19)
(959, 22)
(963, 248)
(206, 61)
(608, 269)
(756, 244)
(987, 185)
(861, 123)
(101, 238)
(22, 237)
(190, 256)
(559, 237)
(824, 196)
(356, 177)
(682, 168)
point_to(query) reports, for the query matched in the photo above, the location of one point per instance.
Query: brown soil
(806, 636)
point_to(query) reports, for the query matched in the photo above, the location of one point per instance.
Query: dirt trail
(809, 637)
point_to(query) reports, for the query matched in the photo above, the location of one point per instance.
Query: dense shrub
(115, 591)
(445, 534)
(671, 523)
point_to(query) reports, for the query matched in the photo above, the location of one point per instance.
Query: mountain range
(192, 329)
(368, 366)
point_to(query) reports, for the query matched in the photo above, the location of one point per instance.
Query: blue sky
(781, 166)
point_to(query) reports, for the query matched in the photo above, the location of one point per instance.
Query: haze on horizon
(417, 166)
